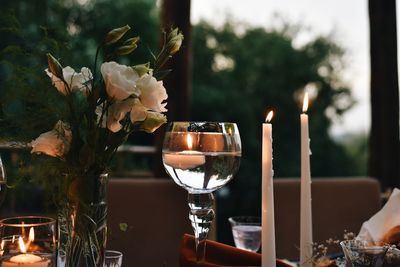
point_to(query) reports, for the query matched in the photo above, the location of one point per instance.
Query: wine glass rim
(20, 221)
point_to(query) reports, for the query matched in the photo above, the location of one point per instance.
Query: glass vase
(82, 221)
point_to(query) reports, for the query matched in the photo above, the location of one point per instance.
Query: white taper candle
(268, 255)
(306, 234)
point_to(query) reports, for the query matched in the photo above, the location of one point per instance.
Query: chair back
(338, 205)
(156, 213)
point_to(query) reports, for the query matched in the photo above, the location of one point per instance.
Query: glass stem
(201, 216)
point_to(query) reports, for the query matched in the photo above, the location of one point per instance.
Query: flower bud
(142, 69)
(55, 67)
(175, 38)
(125, 50)
(132, 40)
(114, 35)
(153, 121)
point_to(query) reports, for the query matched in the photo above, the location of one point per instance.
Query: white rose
(152, 93)
(54, 143)
(138, 111)
(76, 81)
(151, 120)
(120, 80)
(117, 112)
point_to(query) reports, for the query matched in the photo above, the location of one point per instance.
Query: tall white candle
(268, 256)
(306, 238)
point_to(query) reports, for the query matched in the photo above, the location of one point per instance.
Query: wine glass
(201, 157)
(3, 182)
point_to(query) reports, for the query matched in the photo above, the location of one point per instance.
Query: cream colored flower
(152, 93)
(117, 112)
(76, 81)
(120, 80)
(55, 143)
(138, 111)
(153, 121)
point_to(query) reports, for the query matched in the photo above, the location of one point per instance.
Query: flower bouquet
(98, 111)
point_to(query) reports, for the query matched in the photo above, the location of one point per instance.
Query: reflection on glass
(201, 157)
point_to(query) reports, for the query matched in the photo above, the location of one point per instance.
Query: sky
(346, 20)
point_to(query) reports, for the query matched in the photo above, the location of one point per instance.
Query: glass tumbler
(246, 231)
(113, 258)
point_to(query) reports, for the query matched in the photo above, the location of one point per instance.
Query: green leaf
(123, 227)
(54, 66)
(142, 69)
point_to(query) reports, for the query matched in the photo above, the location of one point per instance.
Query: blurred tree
(239, 73)
(238, 76)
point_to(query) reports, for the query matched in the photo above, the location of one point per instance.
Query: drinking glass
(113, 258)
(27, 241)
(246, 231)
(363, 253)
(201, 157)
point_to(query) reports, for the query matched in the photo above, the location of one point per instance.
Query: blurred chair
(156, 213)
(339, 204)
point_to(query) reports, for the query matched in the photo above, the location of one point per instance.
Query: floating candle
(187, 159)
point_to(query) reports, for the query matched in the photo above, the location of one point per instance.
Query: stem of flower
(95, 63)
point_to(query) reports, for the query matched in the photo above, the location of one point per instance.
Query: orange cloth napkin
(219, 255)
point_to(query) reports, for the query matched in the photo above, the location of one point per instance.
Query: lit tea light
(26, 259)
(186, 159)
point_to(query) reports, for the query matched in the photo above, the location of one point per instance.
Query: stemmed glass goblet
(201, 157)
(3, 182)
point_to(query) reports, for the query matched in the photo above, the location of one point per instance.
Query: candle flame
(269, 116)
(189, 141)
(2, 245)
(305, 102)
(31, 235)
(13, 239)
(21, 245)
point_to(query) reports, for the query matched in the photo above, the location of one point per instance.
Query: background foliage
(239, 72)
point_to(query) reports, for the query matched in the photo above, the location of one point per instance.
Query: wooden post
(384, 144)
(176, 13)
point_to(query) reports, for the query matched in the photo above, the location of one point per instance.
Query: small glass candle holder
(363, 253)
(27, 242)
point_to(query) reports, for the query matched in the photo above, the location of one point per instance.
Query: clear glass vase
(82, 222)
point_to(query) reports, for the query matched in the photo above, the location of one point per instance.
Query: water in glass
(247, 237)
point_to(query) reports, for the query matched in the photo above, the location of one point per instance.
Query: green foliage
(30, 105)
(241, 76)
